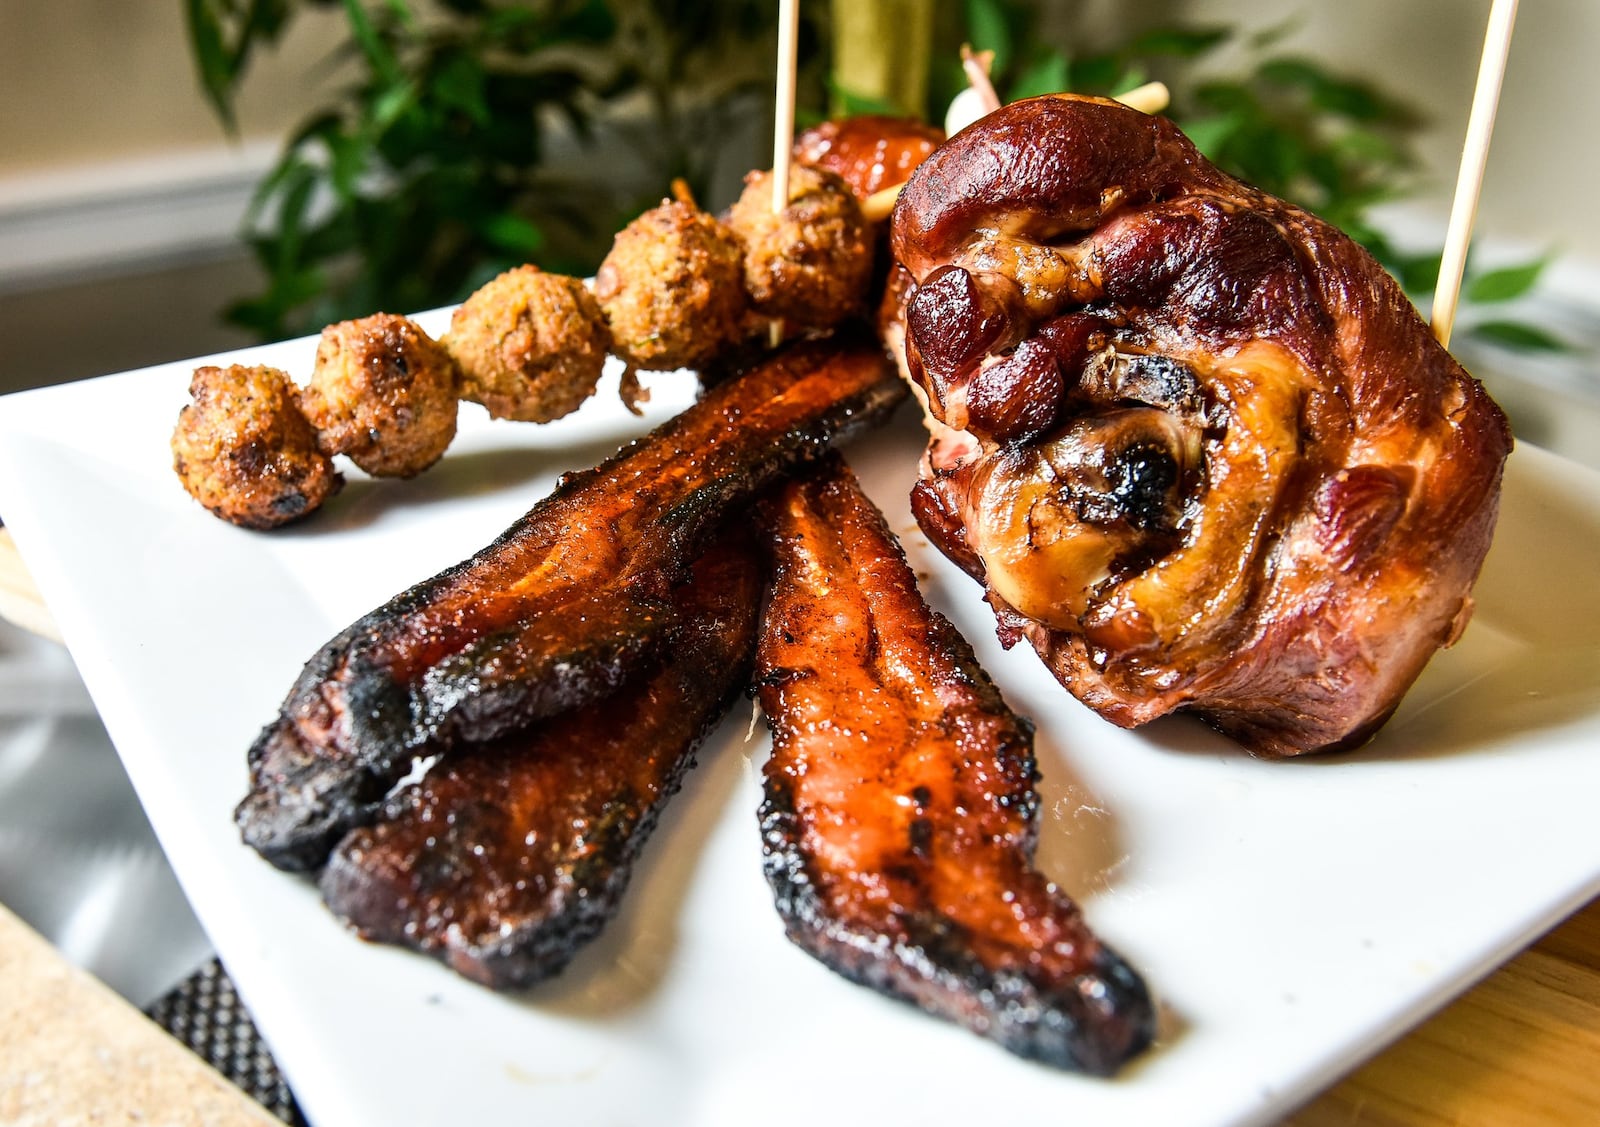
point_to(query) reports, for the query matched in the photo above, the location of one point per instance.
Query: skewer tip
(977, 64)
(783, 109)
(1474, 159)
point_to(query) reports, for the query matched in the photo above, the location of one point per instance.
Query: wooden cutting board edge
(74, 1052)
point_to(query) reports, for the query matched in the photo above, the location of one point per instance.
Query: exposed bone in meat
(504, 859)
(900, 811)
(553, 614)
(1198, 444)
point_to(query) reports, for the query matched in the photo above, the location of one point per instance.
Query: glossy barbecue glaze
(554, 614)
(507, 857)
(870, 151)
(1198, 444)
(900, 809)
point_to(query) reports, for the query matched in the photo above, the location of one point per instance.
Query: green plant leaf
(1355, 100)
(401, 11)
(1095, 75)
(366, 35)
(459, 84)
(1132, 76)
(1366, 147)
(1419, 273)
(347, 160)
(1274, 34)
(268, 315)
(289, 164)
(513, 233)
(264, 22)
(213, 61)
(1342, 97)
(1047, 74)
(852, 103)
(1182, 42)
(293, 201)
(1519, 335)
(391, 105)
(1506, 283)
(1291, 71)
(988, 30)
(591, 21)
(1227, 97)
(1211, 134)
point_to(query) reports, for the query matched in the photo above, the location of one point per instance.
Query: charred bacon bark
(900, 812)
(1196, 442)
(553, 614)
(507, 857)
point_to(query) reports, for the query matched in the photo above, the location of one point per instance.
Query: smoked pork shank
(1197, 443)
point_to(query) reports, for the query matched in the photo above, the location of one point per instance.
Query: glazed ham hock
(1197, 443)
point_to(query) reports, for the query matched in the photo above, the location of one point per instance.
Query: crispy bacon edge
(900, 813)
(555, 613)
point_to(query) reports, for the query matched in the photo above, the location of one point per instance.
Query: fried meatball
(671, 288)
(530, 345)
(810, 263)
(382, 392)
(243, 449)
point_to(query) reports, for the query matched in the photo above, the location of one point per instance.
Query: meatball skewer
(243, 449)
(671, 290)
(530, 345)
(383, 393)
(809, 264)
(681, 288)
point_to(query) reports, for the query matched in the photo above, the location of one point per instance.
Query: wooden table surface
(1521, 1048)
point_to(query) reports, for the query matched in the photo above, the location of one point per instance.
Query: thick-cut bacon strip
(553, 614)
(506, 858)
(900, 810)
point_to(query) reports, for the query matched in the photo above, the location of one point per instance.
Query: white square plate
(1292, 917)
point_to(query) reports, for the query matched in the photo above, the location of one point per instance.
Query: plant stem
(881, 50)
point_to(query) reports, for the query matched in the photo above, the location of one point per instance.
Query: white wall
(1545, 160)
(84, 81)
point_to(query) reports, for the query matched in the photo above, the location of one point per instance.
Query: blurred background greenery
(475, 135)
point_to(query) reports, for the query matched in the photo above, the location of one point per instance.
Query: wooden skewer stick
(783, 118)
(878, 205)
(1152, 97)
(977, 65)
(783, 123)
(1474, 156)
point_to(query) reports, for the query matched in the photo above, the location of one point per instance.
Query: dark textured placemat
(205, 1013)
